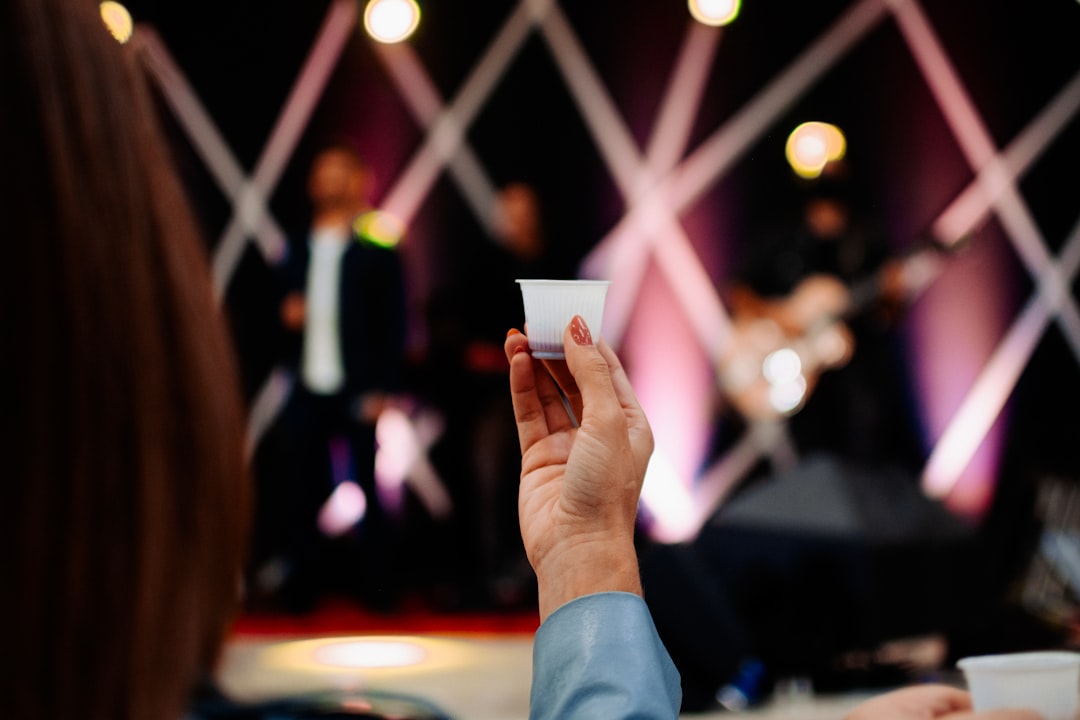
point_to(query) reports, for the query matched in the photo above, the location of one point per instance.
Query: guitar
(778, 348)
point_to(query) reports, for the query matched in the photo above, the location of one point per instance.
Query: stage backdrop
(657, 144)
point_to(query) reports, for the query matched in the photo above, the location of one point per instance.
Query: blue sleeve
(599, 656)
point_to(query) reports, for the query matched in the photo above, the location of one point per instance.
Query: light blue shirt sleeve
(599, 656)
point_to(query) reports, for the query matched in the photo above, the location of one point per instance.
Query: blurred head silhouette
(339, 182)
(517, 220)
(827, 202)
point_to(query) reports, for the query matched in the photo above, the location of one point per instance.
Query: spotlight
(391, 21)
(117, 19)
(813, 145)
(714, 12)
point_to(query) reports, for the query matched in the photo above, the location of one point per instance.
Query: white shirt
(322, 370)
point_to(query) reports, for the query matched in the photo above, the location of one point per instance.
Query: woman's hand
(581, 473)
(930, 702)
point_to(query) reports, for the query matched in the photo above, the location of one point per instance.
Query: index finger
(619, 379)
(640, 431)
(592, 374)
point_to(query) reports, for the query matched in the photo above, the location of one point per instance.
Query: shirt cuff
(600, 656)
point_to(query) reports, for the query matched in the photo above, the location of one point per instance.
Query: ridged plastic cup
(1045, 681)
(550, 305)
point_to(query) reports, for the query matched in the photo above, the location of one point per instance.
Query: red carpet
(339, 616)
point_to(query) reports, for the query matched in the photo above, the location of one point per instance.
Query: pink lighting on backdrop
(401, 459)
(954, 331)
(673, 381)
(345, 507)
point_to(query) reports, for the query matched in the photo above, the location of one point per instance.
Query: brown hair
(121, 436)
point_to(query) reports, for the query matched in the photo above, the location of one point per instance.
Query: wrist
(586, 568)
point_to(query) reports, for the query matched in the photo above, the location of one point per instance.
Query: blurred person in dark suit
(344, 309)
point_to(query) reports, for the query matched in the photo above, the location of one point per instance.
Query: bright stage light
(714, 12)
(379, 227)
(370, 658)
(784, 372)
(787, 396)
(813, 145)
(781, 366)
(117, 20)
(391, 21)
(371, 653)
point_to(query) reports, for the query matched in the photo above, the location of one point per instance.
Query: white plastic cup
(550, 305)
(1045, 681)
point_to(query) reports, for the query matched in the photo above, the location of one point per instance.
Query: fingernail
(512, 331)
(580, 331)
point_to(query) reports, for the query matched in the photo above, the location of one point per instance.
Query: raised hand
(583, 463)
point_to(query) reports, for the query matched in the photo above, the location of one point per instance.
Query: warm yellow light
(813, 145)
(391, 21)
(379, 227)
(376, 655)
(117, 20)
(371, 653)
(714, 12)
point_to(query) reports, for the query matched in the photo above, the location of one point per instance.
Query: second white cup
(1045, 681)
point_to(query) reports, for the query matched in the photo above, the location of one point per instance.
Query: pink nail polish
(580, 331)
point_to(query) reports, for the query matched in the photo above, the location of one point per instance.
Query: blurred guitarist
(825, 289)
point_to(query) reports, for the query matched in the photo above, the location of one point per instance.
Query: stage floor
(469, 666)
